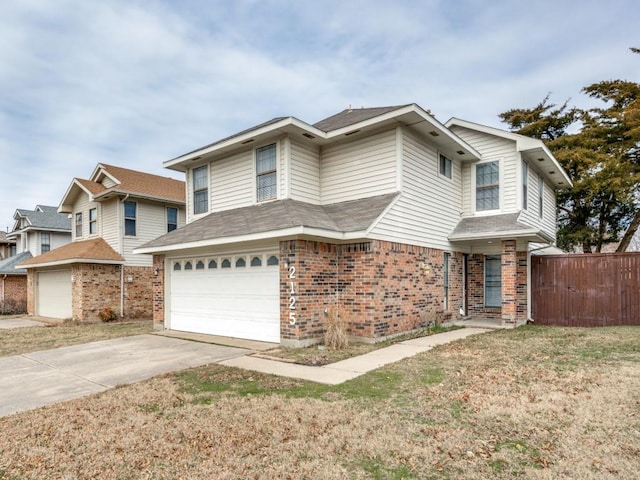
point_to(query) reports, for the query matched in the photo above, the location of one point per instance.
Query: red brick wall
(94, 287)
(158, 291)
(521, 287)
(13, 294)
(138, 292)
(31, 306)
(386, 288)
(509, 280)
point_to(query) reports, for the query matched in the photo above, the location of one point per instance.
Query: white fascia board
(499, 235)
(74, 183)
(273, 234)
(138, 196)
(549, 156)
(285, 122)
(101, 168)
(70, 261)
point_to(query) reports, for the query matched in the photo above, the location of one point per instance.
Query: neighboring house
(34, 232)
(7, 247)
(112, 212)
(384, 214)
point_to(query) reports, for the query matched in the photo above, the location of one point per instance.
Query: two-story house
(388, 214)
(34, 232)
(111, 213)
(7, 247)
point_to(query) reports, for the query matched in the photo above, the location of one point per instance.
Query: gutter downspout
(2, 297)
(529, 252)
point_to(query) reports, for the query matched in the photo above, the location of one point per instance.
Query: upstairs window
(487, 186)
(45, 242)
(93, 221)
(525, 185)
(130, 218)
(172, 219)
(445, 166)
(78, 224)
(200, 190)
(266, 175)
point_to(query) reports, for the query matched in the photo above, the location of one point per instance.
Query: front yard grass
(534, 403)
(30, 339)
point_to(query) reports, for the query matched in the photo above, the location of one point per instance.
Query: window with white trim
(445, 166)
(200, 190)
(78, 224)
(266, 173)
(93, 221)
(45, 242)
(172, 219)
(493, 281)
(488, 186)
(130, 216)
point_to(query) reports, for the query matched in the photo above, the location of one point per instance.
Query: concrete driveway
(40, 378)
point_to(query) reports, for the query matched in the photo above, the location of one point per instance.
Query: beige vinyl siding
(358, 168)
(33, 242)
(467, 188)
(430, 205)
(305, 172)
(492, 148)
(549, 211)
(107, 182)
(109, 225)
(59, 239)
(151, 222)
(232, 180)
(189, 193)
(82, 205)
(530, 215)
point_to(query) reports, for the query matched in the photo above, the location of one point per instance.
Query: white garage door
(232, 296)
(54, 294)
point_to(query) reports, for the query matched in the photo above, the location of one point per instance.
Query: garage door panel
(54, 294)
(236, 302)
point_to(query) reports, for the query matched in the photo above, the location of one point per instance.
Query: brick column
(157, 281)
(509, 281)
(31, 285)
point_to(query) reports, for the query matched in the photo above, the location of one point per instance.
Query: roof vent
(308, 135)
(247, 141)
(552, 172)
(541, 159)
(433, 133)
(351, 133)
(460, 152)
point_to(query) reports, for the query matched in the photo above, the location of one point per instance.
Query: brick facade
(95, 287)
(13, 294)
(385, 288)
(158, 291)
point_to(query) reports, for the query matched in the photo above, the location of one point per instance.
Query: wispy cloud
(136, 83)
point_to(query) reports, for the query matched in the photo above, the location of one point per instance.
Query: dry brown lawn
(31, 339)
(533, 403)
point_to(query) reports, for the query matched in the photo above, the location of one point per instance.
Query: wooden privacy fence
(590, 290)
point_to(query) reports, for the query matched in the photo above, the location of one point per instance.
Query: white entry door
(54, 294)
(228, 295)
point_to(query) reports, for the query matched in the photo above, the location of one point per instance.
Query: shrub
(108, 314)
(335, 335)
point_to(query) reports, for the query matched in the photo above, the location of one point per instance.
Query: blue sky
(134, 83)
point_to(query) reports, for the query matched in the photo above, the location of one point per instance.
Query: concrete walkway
(339, 372)
(36, 379)
(19, 322)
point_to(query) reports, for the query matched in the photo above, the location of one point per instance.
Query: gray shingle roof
(352, 216)
(7, 266)
(350, 116)
(507, 222)
(47, 219)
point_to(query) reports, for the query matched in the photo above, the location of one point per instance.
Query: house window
(525, 185)
(445, 280)
(540, 196)
(213, 264)
(200, 265)
(130, 218)
(177, 266)
(492, 281)
(93, 221)
(188, 266)
(78, 224)
(172, 219)
(256, 262)
(241, 262)
(45, 242)
(13, 250)
(200, 190)
(266, 176)
(272, 260)
(226, 263)
(487, 186)
(445, 166)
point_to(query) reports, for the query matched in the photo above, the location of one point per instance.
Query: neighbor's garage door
(231, 295)
(54, 294)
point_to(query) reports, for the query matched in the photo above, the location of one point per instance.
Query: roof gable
(44, 218)
(96, 250)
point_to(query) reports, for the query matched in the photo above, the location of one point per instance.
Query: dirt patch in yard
(24, 340)
(538, 403)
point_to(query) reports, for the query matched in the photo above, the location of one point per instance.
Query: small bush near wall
(108, 315)
(13, 307)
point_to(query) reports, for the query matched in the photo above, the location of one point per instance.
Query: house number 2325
(292, 295)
